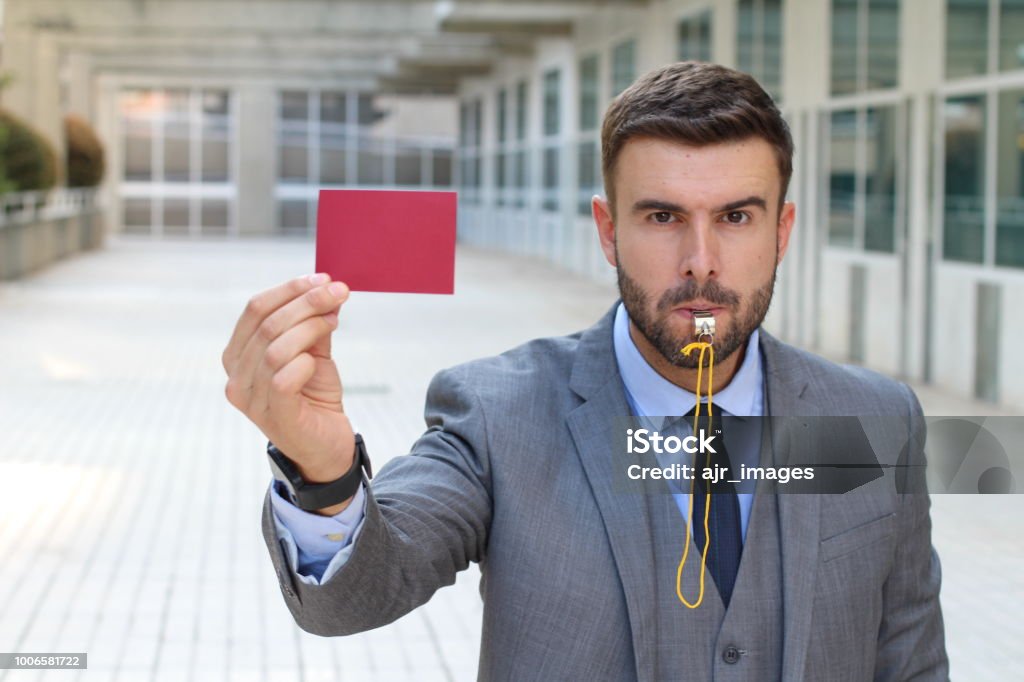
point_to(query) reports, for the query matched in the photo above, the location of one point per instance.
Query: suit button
(731, 654)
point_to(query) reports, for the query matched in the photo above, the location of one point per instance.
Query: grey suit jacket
(515, 472)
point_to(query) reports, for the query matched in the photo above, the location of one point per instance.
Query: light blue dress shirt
(651, 395)
(318, 546)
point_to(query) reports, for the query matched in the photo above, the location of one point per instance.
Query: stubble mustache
(711, 291)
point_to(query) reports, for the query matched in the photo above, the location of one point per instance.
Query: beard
(654, 325)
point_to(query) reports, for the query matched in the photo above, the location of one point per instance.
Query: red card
(386, 240)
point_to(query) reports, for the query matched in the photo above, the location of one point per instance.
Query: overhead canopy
(400, 46)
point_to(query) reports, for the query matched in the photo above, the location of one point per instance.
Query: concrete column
(45, 113)
(921, 58)
(81, 84)
(805, 82)
(257, 157)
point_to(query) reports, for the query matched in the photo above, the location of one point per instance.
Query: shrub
(85, 162)
(29, 160)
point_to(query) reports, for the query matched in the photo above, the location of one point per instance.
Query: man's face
(695, 228)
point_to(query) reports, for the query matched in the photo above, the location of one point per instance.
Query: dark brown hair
(697, 104)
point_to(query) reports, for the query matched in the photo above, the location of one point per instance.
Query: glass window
(176, 154)
(294, 158)
(215, 160)
(295, 105)
(623, 66)
(845, 33)
(1010, 180)
(477, 111)
(771, 73)
(704, 37)
(176, 136)
(759, 42)
(883, 44)
(842, 161)
(370, 162)
(552, 84)
(463, 124)
(521, 111)
(693, 38)
(963, 121)
(293, 215)
(522, 178)
(550, 174)
(588, 93)
(333, 155)
(408, 167)
(137, 215)
(880, 181)
(1011, 35)
(366, 113)
(138, 156)
(176, 219)
(587, 174)
(865, 62)
(746, 37)
(214, 216)
(967, 38)
(333, 107)
(442, 167)
(500, 177)
(502, 115)
(215, 136)
(471, 118)
(215, 103)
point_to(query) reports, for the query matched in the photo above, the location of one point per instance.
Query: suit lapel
(799, 514)
(596, 379)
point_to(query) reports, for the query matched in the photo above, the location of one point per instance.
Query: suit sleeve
(911, 639)
(427, 517)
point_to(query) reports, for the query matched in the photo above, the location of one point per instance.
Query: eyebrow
(659, 205)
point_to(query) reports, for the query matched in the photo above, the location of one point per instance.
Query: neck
(681, 376)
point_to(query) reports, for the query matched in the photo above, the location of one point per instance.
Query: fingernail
(337, 289)
(317, 279)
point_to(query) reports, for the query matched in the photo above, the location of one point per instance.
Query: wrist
(335, 487)
(330, 468)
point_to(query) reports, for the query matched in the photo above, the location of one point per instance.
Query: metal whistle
(704, 325)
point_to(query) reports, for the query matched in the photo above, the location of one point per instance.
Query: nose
(699, 257)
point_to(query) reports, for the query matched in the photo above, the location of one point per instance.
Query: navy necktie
(723, 561)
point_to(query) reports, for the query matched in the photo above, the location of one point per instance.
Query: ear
(787, 218)
(605, 227)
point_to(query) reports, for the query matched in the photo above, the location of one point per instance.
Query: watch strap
(314, 496)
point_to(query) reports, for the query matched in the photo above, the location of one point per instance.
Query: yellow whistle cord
(705, 348)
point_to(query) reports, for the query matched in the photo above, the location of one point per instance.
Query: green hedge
(27, 159)
(85, 153)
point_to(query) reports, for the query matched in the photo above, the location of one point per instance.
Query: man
(517, 471)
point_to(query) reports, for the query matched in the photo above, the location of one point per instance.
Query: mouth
(687, 311)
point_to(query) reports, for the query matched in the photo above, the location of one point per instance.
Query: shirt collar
(654, 395)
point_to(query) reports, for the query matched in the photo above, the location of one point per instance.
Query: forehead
(709, 174)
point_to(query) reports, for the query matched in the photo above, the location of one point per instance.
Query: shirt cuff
(316, 546)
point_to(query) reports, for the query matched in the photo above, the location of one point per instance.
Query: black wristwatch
(313, 496)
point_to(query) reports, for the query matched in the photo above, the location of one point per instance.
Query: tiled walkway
(129, 518)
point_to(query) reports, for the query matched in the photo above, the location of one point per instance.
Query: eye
(737, 217)
(663, 217)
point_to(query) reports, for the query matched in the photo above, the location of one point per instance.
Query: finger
(322, 347)
(314, 302)
(260, 307)
(296, 340)
(285, 349)
(286, 384)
